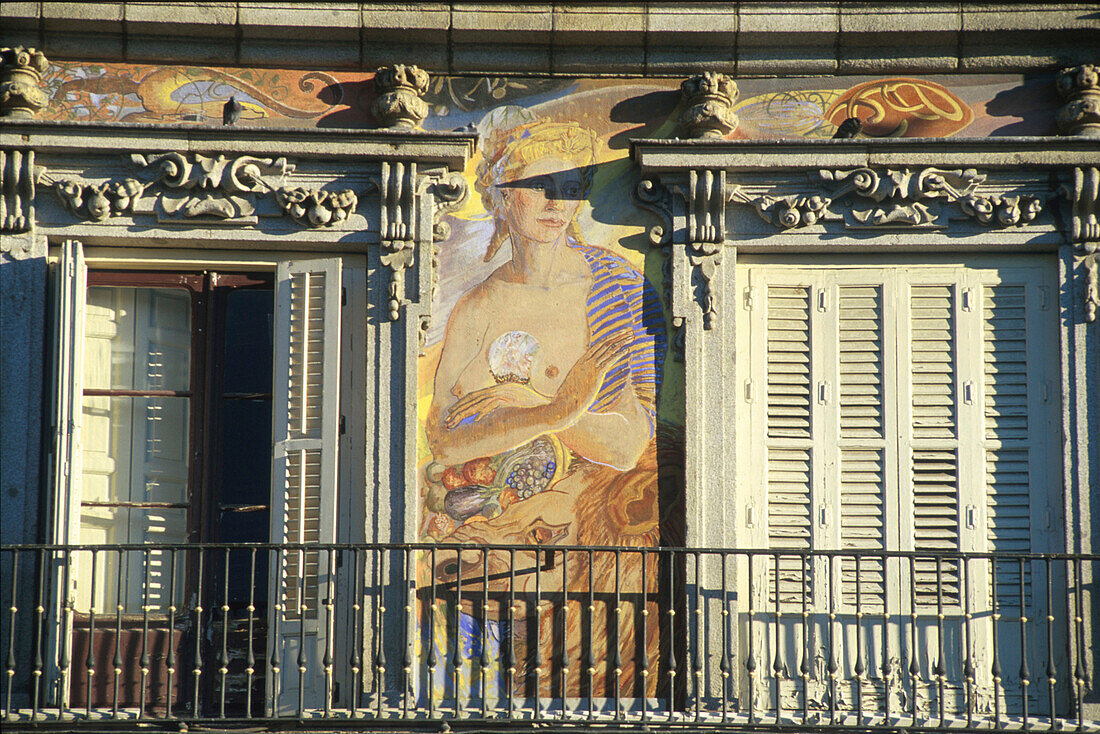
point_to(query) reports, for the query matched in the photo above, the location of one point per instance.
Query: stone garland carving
(1084, 199)
(1079, 86)
(17, 174)
(400, 102)
(708, 101)
(202, 188)
(902, 198)
(21, 93)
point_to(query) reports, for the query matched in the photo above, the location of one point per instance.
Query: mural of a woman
(543, 411)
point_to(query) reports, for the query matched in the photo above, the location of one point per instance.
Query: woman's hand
(480, 402)
(582, 384)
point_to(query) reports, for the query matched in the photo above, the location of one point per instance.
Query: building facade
(665, 365)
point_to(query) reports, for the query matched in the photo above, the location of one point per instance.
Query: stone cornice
(1003, 153)
(449, 149)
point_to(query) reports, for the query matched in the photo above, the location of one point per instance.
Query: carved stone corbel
(21, 93)
(708, 101)
(398, 228)
(1085, 214)
(17, 179)
(400, 102)
(706, 224)
(1079, 86)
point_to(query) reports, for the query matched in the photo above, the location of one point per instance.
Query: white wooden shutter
(303, 495)
(70, 284)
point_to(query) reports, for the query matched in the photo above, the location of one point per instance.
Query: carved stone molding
(400, 102)
(866, 198)
(17, 176)
(1084, 199)
(97, 202)
(449, 192)
(21, 93)
(1079, 86)
(708, 101)
(397, 228)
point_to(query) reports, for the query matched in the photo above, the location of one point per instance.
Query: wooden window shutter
(304, 469)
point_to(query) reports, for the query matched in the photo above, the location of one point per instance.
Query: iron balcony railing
(559, 636)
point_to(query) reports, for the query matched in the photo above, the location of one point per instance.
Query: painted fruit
(478, 471)
(453, 478)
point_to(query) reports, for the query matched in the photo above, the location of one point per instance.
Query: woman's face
(542, 199)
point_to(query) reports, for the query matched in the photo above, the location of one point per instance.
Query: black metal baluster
(197, 661)
(831, 667)
(303, 612)
(13, 610)
(968, 637)
(456, 659)
(645, 637)
(145, 659)
(725, 664)
(223, 657)
(563, 663)
(538, 634)
(778, 668)
(40, 625)
(275, 660)
(64, 662)
(410, 589)
(696, 653)
(914, 663)
(1052, 672)
(860, 668)
(672, 662)
(510, 652)
(940, 670)
(617, 657)
(355, 663)
(591, 651)
(750, 659)
(116, 661)
(433, 656)
(89, 661)
(1025, 674)
(251, 660)
(995, 666)
(171, 660)
(1080, 672)
(485, 661)
(804, 665)
(329, 656)
(887, 667)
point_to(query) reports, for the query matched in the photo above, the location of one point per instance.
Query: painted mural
(549, 407)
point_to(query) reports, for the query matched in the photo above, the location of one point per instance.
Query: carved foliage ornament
(195, 187)
(708, 105)
(892, 199)
(21, 93)
(1079, 86)
(400, 102)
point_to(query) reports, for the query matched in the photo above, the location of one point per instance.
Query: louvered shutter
(304, 470)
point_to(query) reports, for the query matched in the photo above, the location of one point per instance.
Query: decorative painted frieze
(866, 198)
(400, 102)
(708, 105)
(21, 92)
(17, 174)
(1079, 86)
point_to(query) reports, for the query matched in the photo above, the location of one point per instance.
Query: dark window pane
(248, 341)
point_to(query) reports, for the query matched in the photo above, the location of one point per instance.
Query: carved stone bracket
(866, 198)
(21, 93)
(449, 192)
(17, 176)
(708, 102)
(1085, 213)
(398, 228)
(1079, 86)
(400, 102)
